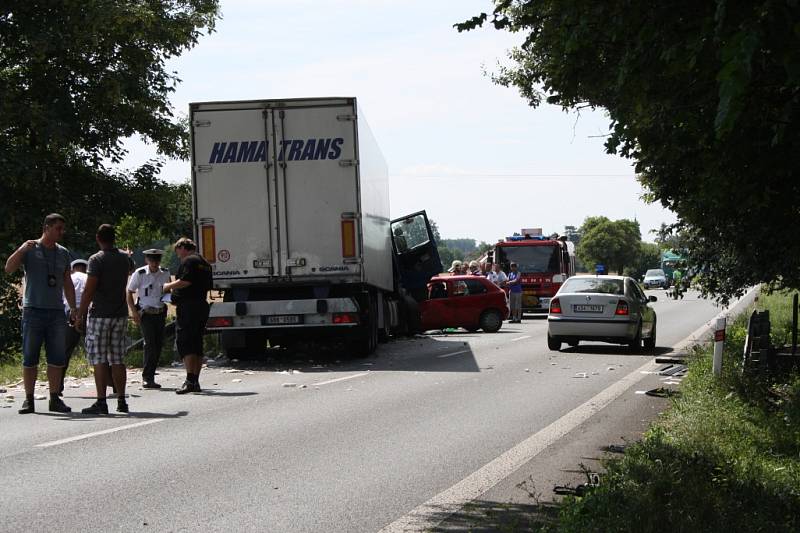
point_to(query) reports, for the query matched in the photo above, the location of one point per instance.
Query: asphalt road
(351, 445)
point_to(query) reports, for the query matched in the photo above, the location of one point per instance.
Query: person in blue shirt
(47, 278)
(514, 285)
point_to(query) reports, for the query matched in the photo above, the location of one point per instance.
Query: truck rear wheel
(367, 341)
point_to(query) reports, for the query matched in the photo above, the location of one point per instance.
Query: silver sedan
(601, 308)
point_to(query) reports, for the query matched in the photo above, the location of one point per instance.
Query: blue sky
(474, 155)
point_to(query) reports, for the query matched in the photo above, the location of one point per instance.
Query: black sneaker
(122, 406)
(57, 405)
(27, 408)
(96, 408)
(151, 385)
(188, 387)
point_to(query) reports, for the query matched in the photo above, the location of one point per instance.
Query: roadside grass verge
(11, 366)
(725, 457)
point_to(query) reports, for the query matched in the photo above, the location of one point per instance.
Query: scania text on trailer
(291, 208)
(543, 263)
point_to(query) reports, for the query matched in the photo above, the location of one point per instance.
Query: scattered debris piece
(289, 385)
(249, 373)
(232, 371)
(39, 397)
(609, 369)
(303, 386)
(527, 370)
(2, 390)
(581, 375)
(595, 373)
(237, 380)
(662, 392)
(615, 448)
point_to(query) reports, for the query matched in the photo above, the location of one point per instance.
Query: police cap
(83, 262)
(154, 252)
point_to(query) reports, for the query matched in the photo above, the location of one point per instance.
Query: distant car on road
(655, 278)
(601, 308)
(470, 302)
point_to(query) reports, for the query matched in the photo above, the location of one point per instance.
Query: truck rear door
(316, 179)
(230, 159)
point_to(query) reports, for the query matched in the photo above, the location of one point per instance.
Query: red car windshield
(531, 258)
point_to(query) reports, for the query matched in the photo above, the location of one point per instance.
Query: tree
(614, 244)
(704, 96)
(133, 233)
(648, 256)
(76, 80)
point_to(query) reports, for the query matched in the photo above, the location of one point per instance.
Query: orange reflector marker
(209, 243)
(348, 238)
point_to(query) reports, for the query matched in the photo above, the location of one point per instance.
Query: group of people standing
(512, 282)
(98, 297)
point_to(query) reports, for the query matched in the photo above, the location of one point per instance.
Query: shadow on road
(480, 516)
(77, 416)
(420, 353)
(612, 349)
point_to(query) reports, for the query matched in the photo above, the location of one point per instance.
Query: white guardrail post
(719, 343)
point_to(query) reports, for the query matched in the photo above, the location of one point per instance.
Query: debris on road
(232, 371)
(237, 380)
(581, 375)
(289, 385)
(40, 397)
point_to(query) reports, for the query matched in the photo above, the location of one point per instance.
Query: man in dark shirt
(190, 296)
(107, 321)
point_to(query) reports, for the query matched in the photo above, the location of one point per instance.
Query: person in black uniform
(190, 296)
(149, 312)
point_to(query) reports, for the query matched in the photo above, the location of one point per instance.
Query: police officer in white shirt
(149, 312)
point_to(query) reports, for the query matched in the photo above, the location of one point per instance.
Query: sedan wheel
(635, 344)
(650, 342)
(491, 321)
(553, 343)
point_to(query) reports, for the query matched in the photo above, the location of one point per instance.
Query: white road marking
(430, 513)
(452, 354)
(98, 433)
(340, 379)
(520, 338)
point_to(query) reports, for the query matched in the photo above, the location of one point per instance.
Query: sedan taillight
(555, 307)
(622, 308)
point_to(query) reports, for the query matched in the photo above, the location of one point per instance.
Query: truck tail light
(345, 318)
(555, 307)
(209, 242)
(348, 238)
(622, 308)
(220, 322)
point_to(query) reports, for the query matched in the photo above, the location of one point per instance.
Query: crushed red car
(470, 302)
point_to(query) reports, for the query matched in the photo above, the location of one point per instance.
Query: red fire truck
(543, 262)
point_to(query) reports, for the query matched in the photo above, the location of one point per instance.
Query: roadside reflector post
(719, 343)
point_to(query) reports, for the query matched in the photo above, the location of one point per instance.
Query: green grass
(725, 457)
(11, 366)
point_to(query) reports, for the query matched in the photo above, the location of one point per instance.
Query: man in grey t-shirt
(47, 276)
(107, 320)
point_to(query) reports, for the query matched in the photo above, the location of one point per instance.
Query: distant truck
(543, 263)
(291, 208)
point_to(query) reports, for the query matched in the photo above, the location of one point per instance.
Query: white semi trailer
(291, 208)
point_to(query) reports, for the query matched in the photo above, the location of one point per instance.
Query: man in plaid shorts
(107, 321)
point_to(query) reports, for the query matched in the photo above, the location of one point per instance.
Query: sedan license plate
(283, 319)
(587, 308)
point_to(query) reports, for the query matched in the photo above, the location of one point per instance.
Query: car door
(415, 252)
(470, 306)
(645, 311)
(436, 311)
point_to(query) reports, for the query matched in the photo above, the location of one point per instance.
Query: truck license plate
(588, 308)
(283, 319)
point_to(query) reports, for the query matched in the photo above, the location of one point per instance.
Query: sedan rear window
(595, 285)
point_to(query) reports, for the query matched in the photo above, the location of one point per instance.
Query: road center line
(438, 508)
(98, 433)
(520, 338)
(340, 379)
(452, 354)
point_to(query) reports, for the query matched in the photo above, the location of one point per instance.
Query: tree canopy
(704, 96)
(613, 243)
(77, 78)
